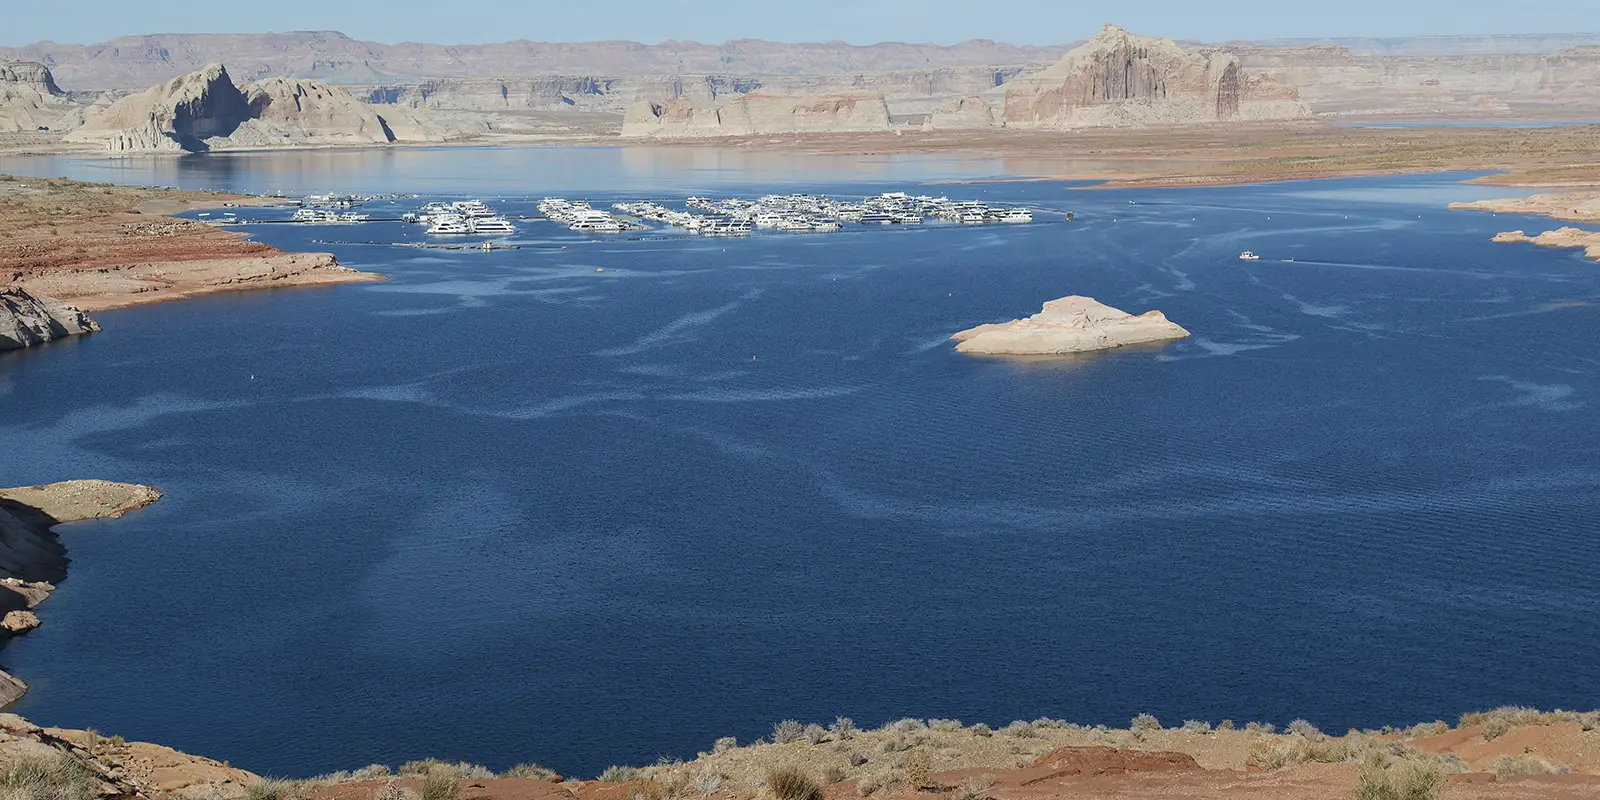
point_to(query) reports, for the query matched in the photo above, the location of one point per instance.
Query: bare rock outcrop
(204, 110)
(968, 113)
(1072, 324)
(1119, 79)
(1589, 241)
(760, 112)
(31, 102)
(28, 319)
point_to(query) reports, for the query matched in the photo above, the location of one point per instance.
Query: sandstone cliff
(1070, 325)
(27, 319)
(31, 101)
(1123, 80)
(760, 112)
(204, 110)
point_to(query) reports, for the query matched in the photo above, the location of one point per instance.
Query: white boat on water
(1249, 256)
(314, 216)
(1017, 215)
(497, 226)
(449, 225)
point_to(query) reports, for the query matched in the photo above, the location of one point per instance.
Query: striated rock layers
(1070, 325)
(760, 112)
(1119, 79)
(30, 101)
(204, 110)
(27, 319)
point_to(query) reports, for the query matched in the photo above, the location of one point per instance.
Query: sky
(855, 21)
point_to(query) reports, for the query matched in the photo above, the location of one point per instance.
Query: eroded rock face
(760, 112)
(1122, 80)
(27, 319)
(1072, 324)
(31, 101)
(179, 115)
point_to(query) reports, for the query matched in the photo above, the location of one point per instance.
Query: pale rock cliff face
(968, 113)
(1072, 324)
(758, 113)
(30, 100)
(204, 110)
(27, 319)
(1122, 80)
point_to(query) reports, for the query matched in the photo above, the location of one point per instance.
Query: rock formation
(1070, 325)
(1569, 206)
(32, 559)
(1122, 80)
(27, 319)
(1589, 241)
(30, 101)
(760, 112)
(204, 110)
(964, 114)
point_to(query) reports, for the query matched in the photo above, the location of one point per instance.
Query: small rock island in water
(1070, 325)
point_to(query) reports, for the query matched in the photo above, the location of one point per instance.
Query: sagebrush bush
(1403, 782)
(982, 729)
(833, 774)
(815, 733)
(1021, 730)
(725, 744)
(843, 728)
(371, 772)
(1145, 723)
(47, 777)
(708, 783)
(979, 788)
(945, 724)
(1195, 726)
(1305, 728)
(789, 783)
(615, 774)
(909, 725)
(787, 732)
(1426, 729)
(1508, 766)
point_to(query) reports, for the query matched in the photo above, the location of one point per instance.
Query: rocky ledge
(32, 559)
(27, 319)
(1070, 325)
(1562, 237)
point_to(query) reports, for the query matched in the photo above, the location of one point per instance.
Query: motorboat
(1249, 256)
(493, 225)
(449, 225)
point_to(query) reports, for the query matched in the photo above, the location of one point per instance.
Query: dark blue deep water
(505, 507)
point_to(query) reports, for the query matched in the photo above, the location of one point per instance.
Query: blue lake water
(504, 507)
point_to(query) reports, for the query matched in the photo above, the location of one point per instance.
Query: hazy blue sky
(856, 21)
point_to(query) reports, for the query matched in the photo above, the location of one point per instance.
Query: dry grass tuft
(532, 772)
(441, 784)
(271, 789)
(1509, 766)
(789, 783)
(47, 777)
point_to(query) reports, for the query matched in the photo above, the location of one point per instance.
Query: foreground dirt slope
(100, 246)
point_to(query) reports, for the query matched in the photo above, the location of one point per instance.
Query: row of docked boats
(703, 224)
(582, 217)
(463, 218)
(319, 216)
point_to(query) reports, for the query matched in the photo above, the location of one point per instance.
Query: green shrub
(47, 777)
(789, 783)
(1403, 782)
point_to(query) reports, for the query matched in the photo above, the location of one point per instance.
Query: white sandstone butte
(1069, 325)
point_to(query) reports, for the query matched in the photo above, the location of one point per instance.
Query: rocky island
(1069, 325)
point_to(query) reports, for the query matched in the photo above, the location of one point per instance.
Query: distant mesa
(760, 112)
(30, 100)
(1072, 324)
(1119, 79)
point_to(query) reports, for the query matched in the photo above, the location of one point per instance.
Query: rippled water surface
(507, 507)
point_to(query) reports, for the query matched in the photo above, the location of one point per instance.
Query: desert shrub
(870, 784)
(419, 767)
(615, 774)
(917, 770)
(1402, 782)
(1507, 766)
(1021, 730)
(842, 728)
(945, 724)
(1195, 726)
(788, 731)
(1497, 722)
(725, 744)
(898, 743)
(789, 783)
(47, 777)
(270, 789)
(1304, 728)
(982, 729)
(909, 725)
(707, 783)
(1145, 723)
(1426, 729)
(815, 733)
(980, 788)
(1260, 727)
(441, 784)
(532, 772)
(1225, 725)
(1046, 723)
(390, 791)
(833, 774)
